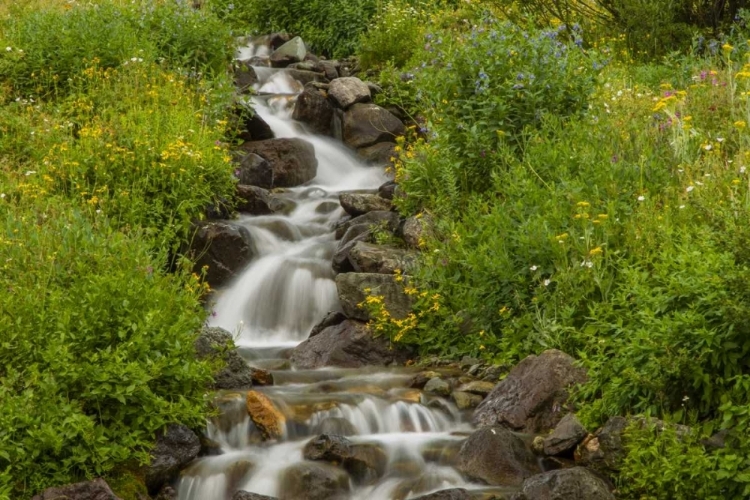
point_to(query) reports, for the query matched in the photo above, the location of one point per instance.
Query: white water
(273, 305)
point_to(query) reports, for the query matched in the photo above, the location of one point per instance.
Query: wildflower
(681, 207)
(583, 204)
(602, 216)
(641, 198)
(742, 170)
(30, 172)
(533, 268)
(719, 139)
(689, 188)
(587, 263)
(708, 147)
(736, 182)
(727, 48)
(595, 251)
(546, 282)
(2, 196)
(740, 124)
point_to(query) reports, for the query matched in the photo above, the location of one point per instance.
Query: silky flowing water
(272, 307)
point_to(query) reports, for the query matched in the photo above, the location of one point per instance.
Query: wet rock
(333, 318)
(328, 68)
(387, 190)
(252, 126)
(261, 376)
(217, 342)
(253, 200)
(236, 472)
(531, 398)
(385, 219)
(314, 481)
(356, 204)
(292, 161)
(368, 124)
(245, 77)
(451, 494)
(368, 258)
(244, 495)
(419, 380)
(292, 51)
(335, 425)
(276, 40)
(251, 169)
(306, 77)
(415, 229)
(350, 344)
(347, 91)
(575, 483)
(438, 386)
(341, 262)
(264, 414)
(167, 493)
(175, 447)
(465, 400)
(497, 457)
(604, 451)
(314, 110)
(565, 437)
(304, 65)
(225, 248)
(351, 289)
(97, 489)
(479, 387)
(380, 155)
(365, 463)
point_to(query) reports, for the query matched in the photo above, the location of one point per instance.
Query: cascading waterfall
(273, 305)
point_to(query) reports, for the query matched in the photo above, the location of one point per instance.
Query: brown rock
(264, 414)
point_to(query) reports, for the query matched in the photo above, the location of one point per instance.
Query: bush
(394, 35)
(97, 351)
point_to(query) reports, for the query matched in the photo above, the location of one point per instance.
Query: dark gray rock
(531, 398)
(347, 91)
(452, 494)
(497, 456)
(335, 425)
(365, 463)
(244, 495)
(314, 481)
(387, 190)
(368, 258)
(384, 218)
(175, 447)
(328, 68)
(333, 318)
(253, 127)
(254, 200)
(351, 289)
(253, 170)
(564, 484)
(379, 155)
(306, 77)
(368, 124)
(604, 451)
(167, 493)
(217, 342)
(314, 110)
(350, 344)
(244, 76)
(293, 51)
(97, 489)
(225, 248)
(565, 437)
(438, 386)
(276, 40)
(356, 204)
(292, 161)
(356, 233)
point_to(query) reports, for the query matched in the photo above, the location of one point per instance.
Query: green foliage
(98, 346)
(395, 34)
(49, 47)
(329, 27)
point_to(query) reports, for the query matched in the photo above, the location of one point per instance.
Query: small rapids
(273, 305)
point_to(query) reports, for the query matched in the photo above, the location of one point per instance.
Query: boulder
(276, 40)
(356, 204)
(292, 161)
(314, 481)
(328, 68)
(478, 387)
(531, 398)
(604, 451)
(333, 318)
(254, 200)
(350, 344)
(251, 169)
(306, 77)
(387, 190)
(167, 493)
(356, 233)
(368, 258)
(314, 110)
(565, 436)
(419, 380)
(379, 155)
(97, 489)
(176, 446)
(415, 229)
(292, 51)
(225, 248)
(368, 124)
(365, 463)
(217, 342)
(465, 400)
(245, 495)
(253, 127)
(244, 76)
(437, 386)
(497, 456)
(351, 289)
(564, 484)
(347, 91)
(264, 414)
(451, 494)
(384, 218)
